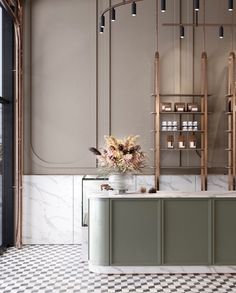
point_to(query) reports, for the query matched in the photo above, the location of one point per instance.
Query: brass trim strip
(204, 122)
(231, 99)
(110, 82)
(157, 119)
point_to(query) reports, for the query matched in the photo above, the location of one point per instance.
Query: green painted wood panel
(225, 231)
(135, 232)
(99, 231)
(186, 231)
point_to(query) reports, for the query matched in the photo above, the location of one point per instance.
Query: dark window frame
(7, 102)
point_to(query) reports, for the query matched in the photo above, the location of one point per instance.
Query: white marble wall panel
(214, 183)
(48, 210)
(77, 208)
(80, 233)
(217, 183)
(144, 181)
(178, 183)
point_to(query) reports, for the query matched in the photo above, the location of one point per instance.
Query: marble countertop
(168, 194)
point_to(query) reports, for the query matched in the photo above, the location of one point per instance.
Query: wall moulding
(61, 87)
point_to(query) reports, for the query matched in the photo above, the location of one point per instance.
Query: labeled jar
(181, 142)
(192, 141)
(170, 141)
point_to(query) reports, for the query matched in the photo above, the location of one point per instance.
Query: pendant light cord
(157, 32)
(232, 31)
(204, 26)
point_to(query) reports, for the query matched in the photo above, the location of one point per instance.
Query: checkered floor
(60, 268)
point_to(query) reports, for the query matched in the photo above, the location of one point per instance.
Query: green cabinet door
(135, 232)
(186, 229)
(225, 231)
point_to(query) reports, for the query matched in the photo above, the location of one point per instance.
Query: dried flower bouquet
(120, 155)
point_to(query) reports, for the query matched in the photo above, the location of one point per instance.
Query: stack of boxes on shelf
(180, 126)
(169, 125)
(190, 126)
(173, 125)
(180, 107)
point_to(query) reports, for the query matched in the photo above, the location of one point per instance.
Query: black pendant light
(163, 5)
(102, 22)
(221, 32)
(230, 5)
(133, 9)
(113, 14)
(101, 30)
(182, 32)
(196, 5)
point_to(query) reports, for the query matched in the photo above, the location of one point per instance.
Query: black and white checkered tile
(60, 268)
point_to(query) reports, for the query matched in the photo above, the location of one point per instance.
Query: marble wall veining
(178, 183)
(48, 213)
(214, 183)
(52, 205)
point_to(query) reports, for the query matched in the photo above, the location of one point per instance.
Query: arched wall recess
(61, 87)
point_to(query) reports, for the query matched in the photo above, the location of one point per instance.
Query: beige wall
(80, 86)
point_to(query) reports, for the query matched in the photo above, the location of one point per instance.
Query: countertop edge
(169, 194)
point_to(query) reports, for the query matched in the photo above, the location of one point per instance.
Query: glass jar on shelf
(181, 142)
(170, 141)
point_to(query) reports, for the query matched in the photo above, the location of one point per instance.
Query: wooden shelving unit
(202, 132)
(231, 120)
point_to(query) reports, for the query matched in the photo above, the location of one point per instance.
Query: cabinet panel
(99, 231)
(135, 229)
(186, 231)
(225, 231)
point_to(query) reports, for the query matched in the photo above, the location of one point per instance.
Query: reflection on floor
(60, 268)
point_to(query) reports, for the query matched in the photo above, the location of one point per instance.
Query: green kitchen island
(166, 232)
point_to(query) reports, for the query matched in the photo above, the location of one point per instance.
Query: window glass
(1, 127)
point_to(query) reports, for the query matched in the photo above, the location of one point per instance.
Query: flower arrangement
(120, 155)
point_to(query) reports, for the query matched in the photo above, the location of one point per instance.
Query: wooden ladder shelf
(203, 120)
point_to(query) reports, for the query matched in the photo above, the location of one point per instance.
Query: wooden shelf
(231, 122)
(188, 131)
(183, 95)
(186, 149)
(182, 113)
(182, 167)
